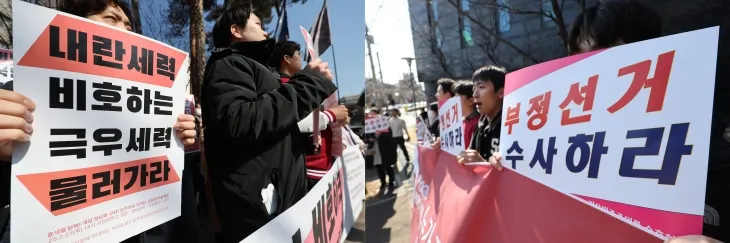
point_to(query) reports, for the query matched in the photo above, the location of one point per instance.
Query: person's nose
(266, 34)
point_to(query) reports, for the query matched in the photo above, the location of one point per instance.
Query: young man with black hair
(255, 159)
(16, 116)
(470, 116)
(287, 60)
(444, 89)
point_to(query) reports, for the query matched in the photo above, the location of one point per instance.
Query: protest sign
(355, 183)
(319, 217)
(451, 126)
(104, 163)
(6, 65)
(567, 137)
(422, 132)
(564, 149)
(330, 102)
(376, 124)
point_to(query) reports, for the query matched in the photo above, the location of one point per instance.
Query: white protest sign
(451, 126)
(355, 174)
(104, 163)
(318, 217)
(625, 129)
(422, 132)
(374, 124)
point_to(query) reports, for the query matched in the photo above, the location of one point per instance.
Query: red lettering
(513, 117)
(582, 96)
(540, 106)
(656, 84)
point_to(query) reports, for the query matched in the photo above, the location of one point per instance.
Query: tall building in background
(448, 42)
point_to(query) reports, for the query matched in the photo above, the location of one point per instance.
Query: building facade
(452, 38)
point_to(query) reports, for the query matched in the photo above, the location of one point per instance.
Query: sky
(348, 38)
(390, 25)
(347, 30)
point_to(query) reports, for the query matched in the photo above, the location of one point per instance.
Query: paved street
(388, 217)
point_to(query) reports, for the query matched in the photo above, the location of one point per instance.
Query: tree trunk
(197, 47)
(137, 18)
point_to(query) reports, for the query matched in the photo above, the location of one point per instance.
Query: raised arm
(248, 115)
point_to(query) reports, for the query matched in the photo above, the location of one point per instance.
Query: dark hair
(612, 20)
(84, 8)
(237, 14)
(283, 48)
(492, 74)
(464, 88)
(446, 85)
(434, 107)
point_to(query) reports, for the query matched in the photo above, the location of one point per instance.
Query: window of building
(503, 15)
(465, 25)
(547, 8)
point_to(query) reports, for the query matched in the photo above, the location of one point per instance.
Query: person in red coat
(287, 59)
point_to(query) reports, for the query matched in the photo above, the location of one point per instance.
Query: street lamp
(413, 80)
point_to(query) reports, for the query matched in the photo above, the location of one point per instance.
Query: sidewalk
(388, 217)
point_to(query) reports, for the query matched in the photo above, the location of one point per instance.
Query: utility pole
(413, 81)
(370, 41)
(380, 69)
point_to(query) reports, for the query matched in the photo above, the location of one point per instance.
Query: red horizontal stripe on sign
(676, 224)
(79, 46)
(66, 191)
(522, 77)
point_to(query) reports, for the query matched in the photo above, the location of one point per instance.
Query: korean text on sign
(617, 125)
(375, 124)
(451, 126)
(104, 163)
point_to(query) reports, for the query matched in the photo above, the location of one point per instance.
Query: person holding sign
(16, 110)
(465, 91)
(256, 162)
(488, 95)
(318, 160)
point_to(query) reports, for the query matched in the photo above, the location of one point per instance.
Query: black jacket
(485, 139)
(251, 130)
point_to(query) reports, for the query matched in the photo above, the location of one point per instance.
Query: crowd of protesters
(607, 24)
(254, 124)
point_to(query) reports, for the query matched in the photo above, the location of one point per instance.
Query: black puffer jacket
(251, 122)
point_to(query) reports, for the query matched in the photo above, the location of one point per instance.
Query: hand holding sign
(15, 121)
(321, 67)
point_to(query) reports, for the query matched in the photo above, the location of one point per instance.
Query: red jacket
(319, 164)
(471, 123)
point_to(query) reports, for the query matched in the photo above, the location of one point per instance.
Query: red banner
(454, 203)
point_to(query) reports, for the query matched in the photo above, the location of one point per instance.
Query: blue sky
(347, 21)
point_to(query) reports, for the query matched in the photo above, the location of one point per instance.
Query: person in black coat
(388, 156)
(256, 165)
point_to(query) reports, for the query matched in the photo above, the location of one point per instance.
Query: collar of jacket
(259, 51)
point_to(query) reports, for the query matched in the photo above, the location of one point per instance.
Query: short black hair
(434, 107)
(237, 14)
(612, 20)
(84, 8)
(283, 48)
(492, 74)
(446, 85)
(464, 88)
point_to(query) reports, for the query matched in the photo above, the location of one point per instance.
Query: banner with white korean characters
(375, 124)
(625, 130)
(6, 65)
(451, 126)
(104, 162)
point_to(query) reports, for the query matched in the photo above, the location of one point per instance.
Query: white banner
(624, 129)
(451, 126)
(374, 124)
(103, 164)
(327, 212)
